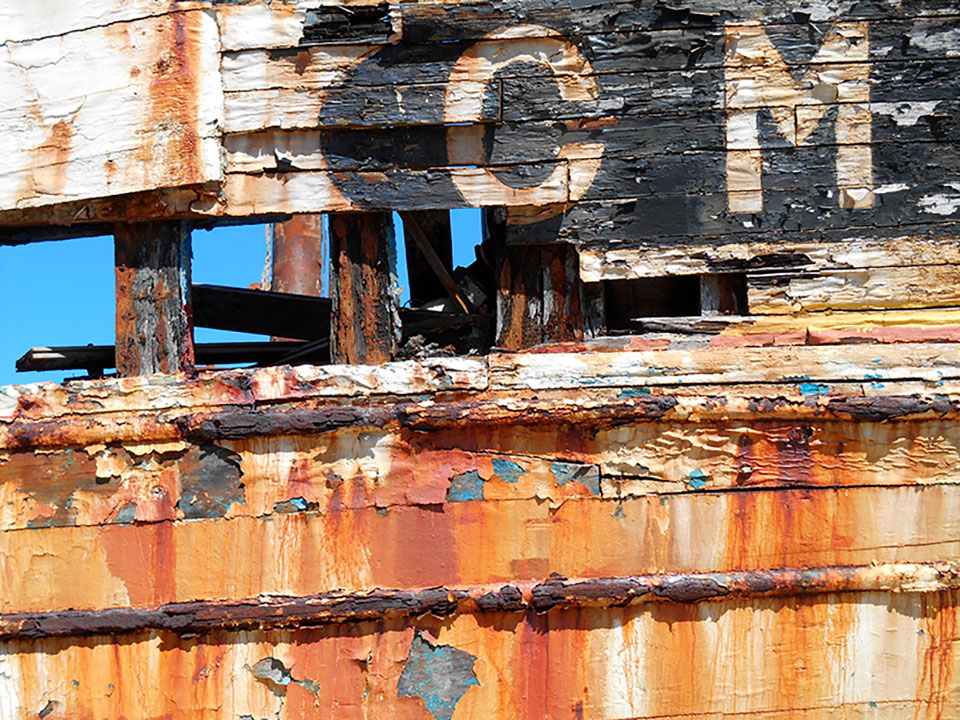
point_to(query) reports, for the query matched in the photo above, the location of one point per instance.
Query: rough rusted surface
(298, 256)
(539, 297)
(154, 318)
(747, 507)
(365, 325)
(555, 593)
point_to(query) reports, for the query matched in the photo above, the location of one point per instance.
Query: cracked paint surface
(439, 674)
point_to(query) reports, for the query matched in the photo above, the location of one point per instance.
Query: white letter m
(757, 77)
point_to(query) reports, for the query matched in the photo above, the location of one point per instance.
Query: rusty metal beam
(365, 323)
(298, 258)
(555, 593)
(549, 409)
(154, 319)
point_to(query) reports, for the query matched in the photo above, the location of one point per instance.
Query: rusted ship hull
(476, 537)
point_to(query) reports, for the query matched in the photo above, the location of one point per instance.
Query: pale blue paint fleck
(507, 470)
(465, 487)
(126, 514)
(813, 389)
(586, 475)
(696, 479)
(439, 674)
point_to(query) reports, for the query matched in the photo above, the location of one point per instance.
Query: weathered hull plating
(480, 538)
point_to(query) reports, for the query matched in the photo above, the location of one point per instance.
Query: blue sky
(62, 293)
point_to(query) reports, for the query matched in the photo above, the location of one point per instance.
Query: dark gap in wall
(626, 302)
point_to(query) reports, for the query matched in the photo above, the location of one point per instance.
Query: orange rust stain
(759, 340)
(939, 622)
(174, 102)
(590, 124)
(144, 558)
(47, 174)
(945, 333)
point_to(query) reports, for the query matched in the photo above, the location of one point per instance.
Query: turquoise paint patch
(439, 674)
(586, 475)
(382, 511)
(619, 513)
(465, 487)
(813, 389)
(507, 470)
(697, 479)
(634, 392)
(297, 504)
(126, 514)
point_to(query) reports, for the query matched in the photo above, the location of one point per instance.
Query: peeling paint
(438, 674)
(211, 484)
(586, 475)
(507, 470)
(465, 487)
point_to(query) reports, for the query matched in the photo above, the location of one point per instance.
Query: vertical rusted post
(154, 319)
(365, 321)
(435, 225)
(539, 296)
(298, 256)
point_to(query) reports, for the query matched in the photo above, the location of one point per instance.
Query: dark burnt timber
(365, 324)
(353, 24)
(538, 300)
(280, 314)
(154, 318)
(251, 311)
(553, 594)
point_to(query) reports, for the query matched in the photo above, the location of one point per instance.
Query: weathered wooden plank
(692, 47)
(364, 324)
(538, 298)
(721, 366)
(122, 108)
(853, 250)
(399, 188)
(395, 468)
(658, 139)
(449, 21)
(154, 318)
(878, 288)
(788, 215)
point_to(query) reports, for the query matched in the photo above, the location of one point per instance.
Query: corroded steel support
(154, 319)
(298, 259)
(516, 597)
(365, 322)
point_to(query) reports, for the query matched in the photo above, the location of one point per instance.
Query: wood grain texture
(365, 325)
(874, 289)
(114, 109)
(602, 123)
(154, 321)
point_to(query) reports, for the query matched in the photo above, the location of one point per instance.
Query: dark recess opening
(628, 302)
